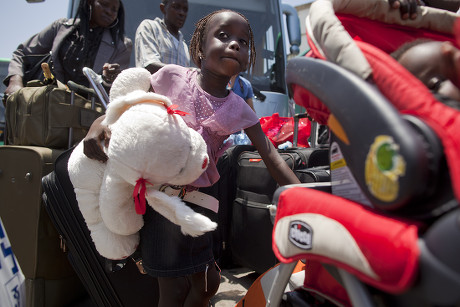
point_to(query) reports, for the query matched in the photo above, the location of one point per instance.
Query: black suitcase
(225, 190)
(254, 182)
(314, 174)
(109, 283)
(250, 235)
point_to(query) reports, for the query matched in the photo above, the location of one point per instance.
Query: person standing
(243, 88)
(159, 42)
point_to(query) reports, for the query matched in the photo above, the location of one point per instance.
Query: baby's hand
(407, 8)
(98, 136)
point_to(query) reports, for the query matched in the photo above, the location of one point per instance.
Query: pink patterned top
(214, 118)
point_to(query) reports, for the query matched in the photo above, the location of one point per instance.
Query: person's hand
(407, 8)
(110, 72)
(97, 137)
(15, 83)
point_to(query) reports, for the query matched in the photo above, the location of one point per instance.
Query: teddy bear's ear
(130, 80)
(118, 106)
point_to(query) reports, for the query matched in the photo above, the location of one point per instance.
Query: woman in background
(95, 38)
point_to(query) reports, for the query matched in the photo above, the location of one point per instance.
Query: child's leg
(203, 287)
(189, 291)
(173, 291)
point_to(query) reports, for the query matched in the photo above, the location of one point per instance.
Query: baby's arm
(277, 167)
(97, 137)
(407, 8)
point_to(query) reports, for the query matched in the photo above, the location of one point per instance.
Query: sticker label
(384, 166)
(12, 289)
(344, 183)
(301, 234)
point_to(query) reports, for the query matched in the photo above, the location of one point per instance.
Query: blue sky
(34, 17)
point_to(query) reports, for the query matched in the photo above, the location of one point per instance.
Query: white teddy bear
(151, 149)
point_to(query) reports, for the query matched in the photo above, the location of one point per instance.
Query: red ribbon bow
(171, 110)
(139, 195)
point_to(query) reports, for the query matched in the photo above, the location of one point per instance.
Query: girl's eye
(223, 35)
(244, 42)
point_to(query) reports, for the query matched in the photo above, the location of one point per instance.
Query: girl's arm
(39, 44)
(277, 167)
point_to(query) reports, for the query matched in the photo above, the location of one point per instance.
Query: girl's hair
(200, 33)
(117, 30)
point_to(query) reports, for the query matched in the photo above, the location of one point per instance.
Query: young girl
(221, 47)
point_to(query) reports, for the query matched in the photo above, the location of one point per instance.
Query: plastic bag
(281, 129)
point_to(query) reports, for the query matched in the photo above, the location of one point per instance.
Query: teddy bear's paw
(111, 245)
(175, 210)
(196, 224)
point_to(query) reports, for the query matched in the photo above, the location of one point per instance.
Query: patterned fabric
(155, 44)
(51, 39)
(214, 118)
(78, 51)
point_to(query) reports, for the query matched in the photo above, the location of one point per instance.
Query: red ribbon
(171, 110)
(139, 195)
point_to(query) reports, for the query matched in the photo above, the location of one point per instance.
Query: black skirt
(167, 252)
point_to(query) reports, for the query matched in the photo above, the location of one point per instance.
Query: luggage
(109, 283)
(314, 174)
(49, 278)
(41, 115)
(225, 190)
(250, 234)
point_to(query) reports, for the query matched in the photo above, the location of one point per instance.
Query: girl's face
(226, 46)
(104, 12)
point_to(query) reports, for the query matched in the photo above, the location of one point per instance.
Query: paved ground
(234, 285)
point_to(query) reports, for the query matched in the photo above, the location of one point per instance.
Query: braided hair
(200, 33)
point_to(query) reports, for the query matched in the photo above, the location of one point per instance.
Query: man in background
(159, 42)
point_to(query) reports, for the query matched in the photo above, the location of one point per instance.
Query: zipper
(206, 278)
(62, 244)
(45, 111)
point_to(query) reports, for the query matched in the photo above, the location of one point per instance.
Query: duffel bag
(41, 115)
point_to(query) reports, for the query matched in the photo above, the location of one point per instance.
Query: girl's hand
(97, 137)
(407, 8)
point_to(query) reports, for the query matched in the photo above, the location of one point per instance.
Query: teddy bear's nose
(205, 163)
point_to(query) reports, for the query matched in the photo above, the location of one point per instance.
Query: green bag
(41, 115)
